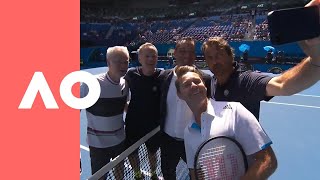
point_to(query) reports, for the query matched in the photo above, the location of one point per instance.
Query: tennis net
(129, 165)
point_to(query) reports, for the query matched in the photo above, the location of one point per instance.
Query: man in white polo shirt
(231, 119)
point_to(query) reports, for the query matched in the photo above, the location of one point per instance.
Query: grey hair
(111, 51)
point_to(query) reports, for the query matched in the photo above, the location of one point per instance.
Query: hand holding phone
(312, 46)
(294, 24)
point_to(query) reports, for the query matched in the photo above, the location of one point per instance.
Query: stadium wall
(149, 4)
(256, 50)
(93, 54)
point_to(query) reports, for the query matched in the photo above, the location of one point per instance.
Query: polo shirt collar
(233, 76)
(236, 65)
(237, 68)
(208, 115)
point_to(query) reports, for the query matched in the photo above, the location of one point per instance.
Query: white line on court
(84, 147)
(299, 105)
(306, 95)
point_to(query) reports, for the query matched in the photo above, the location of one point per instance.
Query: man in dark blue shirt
(249, 88)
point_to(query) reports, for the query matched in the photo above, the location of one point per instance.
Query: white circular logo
(154, 88)
(226, 92)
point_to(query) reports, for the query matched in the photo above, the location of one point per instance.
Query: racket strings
(213, 159)
(219, 163)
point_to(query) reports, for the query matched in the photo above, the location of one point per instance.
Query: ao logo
(39, 84)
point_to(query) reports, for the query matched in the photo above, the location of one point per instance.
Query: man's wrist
(313, 63)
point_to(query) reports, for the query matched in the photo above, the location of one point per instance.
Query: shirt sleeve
(128, 80)
(256, 84)
(127, 77)
(207, 81)
(84, 90)
(129, 94)
(248, 131)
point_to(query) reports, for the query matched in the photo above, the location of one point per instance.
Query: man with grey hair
(105, 129)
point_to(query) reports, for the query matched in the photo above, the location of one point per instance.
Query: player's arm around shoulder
(126, 106)
(164, 74)
(129, 74)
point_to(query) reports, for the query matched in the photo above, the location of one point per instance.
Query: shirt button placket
(202, 125)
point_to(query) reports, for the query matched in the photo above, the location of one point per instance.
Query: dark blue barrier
(256, 48)
(96, 54)
(272, 68)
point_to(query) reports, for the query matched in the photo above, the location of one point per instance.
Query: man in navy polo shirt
(249, 88)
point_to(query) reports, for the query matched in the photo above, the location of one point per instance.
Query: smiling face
(219, 57)
(118, 64)
(148, 57)
(219, 62)
(184, 52)
(191, 88)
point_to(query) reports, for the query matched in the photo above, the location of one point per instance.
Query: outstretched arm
(303, 75)
(294, 80)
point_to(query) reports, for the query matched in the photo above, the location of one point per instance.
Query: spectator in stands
(105, 131)
(280, 59)
(269, 57)
(237, 123)
(170, 61)
(245, 56)
(175, 114)
(250, 88)
(144, 108)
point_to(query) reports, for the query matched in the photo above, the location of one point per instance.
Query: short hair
(182, 70)
(220, 43)
(111, 51)
(184, 40)
(145, 45)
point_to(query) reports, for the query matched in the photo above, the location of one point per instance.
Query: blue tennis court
(291, 122)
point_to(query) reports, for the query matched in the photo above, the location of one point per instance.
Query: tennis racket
(220, 158)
